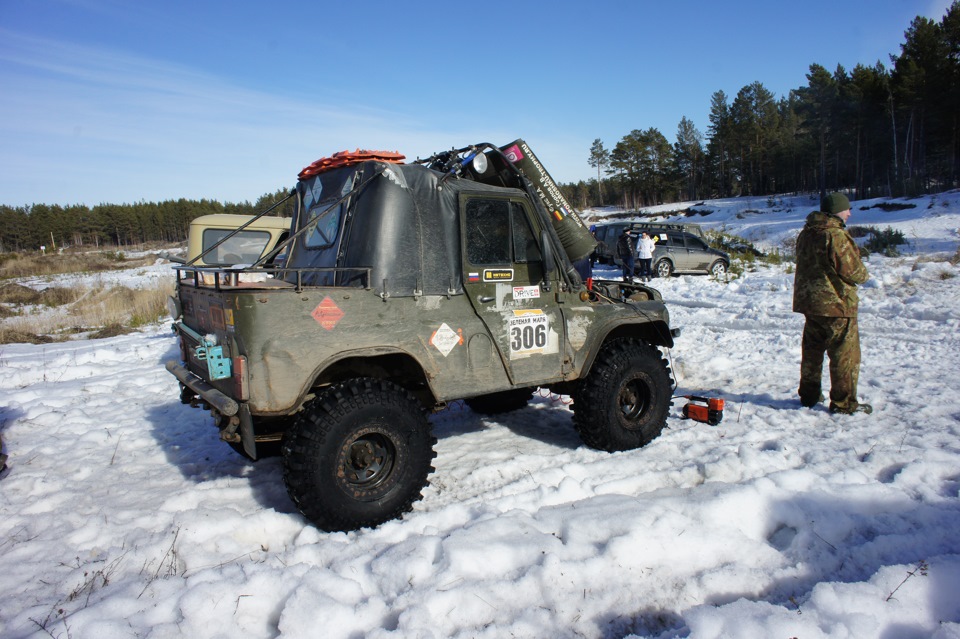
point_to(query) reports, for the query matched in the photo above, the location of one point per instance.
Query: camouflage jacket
(828, 269)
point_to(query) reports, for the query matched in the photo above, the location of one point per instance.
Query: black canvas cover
(399, 220)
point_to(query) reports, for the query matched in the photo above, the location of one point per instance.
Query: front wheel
(664, 268)
(358, 455)
(623, 402)
(718, 269)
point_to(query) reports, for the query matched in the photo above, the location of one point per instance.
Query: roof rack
(693, 229)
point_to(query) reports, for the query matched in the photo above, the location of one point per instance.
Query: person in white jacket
(645, 248)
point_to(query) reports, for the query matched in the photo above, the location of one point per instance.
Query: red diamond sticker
(327, 313)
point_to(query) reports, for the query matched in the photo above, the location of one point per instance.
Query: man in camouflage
(825, 291)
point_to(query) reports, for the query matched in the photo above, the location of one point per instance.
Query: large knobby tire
(358, 455)
(663, 268)
(623, 402)
(502, 402)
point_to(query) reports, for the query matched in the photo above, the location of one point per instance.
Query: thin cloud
(164, 130)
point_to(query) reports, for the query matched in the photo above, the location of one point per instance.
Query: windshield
(245, 247)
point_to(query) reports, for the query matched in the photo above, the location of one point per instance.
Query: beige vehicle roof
(230, 251)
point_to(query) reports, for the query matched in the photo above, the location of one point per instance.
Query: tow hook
(229, 432)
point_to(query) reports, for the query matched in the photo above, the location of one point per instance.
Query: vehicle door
(698, 253)
(670, 244)
(504, 279)
(608, 235)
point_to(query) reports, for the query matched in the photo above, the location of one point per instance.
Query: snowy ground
(122, 515)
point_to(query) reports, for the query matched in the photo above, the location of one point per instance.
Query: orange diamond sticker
(327, 313)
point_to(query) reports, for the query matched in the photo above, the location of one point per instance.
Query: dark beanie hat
(834, 203)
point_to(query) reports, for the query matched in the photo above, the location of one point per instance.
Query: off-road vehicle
(408, 286)
(680, 248)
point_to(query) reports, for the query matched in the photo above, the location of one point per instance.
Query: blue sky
(118, 101)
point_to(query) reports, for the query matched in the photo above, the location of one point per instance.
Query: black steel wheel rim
(633, 400)
(367, 461)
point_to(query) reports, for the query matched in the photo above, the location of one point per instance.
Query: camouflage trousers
(839, 338)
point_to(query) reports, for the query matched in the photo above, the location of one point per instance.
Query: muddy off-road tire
(358, 455)
(503, 402)
(623, 402)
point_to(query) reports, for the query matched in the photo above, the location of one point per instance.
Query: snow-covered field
(123, 515)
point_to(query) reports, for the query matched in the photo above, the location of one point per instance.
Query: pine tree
(718, 145)
(688, 152)
(599, 159)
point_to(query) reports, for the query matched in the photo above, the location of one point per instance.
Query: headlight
(173, 307)
(480, 163)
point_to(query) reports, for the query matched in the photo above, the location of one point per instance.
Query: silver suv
(684, 252)
(681, 248)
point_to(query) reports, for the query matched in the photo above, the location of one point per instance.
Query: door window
(676, 240)
(498, 233)
(525, 247)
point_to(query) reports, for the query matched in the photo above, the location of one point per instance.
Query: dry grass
(14, 265)
(59, 313)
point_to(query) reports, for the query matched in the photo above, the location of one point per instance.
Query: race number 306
(528, 331)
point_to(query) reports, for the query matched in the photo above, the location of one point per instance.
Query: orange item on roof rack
(349, 158)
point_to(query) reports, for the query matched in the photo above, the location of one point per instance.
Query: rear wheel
(358, 455)
(623, 402)
(718, 269)
(663, 268)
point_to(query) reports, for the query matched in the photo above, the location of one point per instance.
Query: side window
(676, 240)
(488, 231)
(525, 247)
(696, 243)
(323, 234)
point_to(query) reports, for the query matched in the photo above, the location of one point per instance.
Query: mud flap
(246, 432)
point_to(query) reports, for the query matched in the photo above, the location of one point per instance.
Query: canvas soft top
(400, 221)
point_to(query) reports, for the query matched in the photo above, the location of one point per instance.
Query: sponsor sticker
(526, 292)
(498, 275)
(528, 331)
(327, 314)
(514, 154)
(444, 339)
